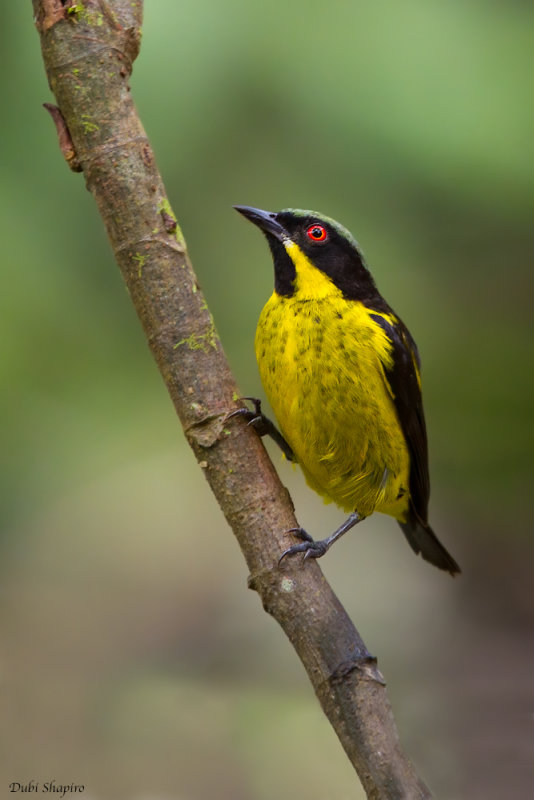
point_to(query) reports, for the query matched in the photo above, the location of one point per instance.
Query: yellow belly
(322, 366)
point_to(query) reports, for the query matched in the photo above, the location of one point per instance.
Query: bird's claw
(254, 418)
(308, 546)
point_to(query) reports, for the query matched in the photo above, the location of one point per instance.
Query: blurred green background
(134, 660)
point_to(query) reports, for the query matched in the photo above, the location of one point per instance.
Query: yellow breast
(322, 360)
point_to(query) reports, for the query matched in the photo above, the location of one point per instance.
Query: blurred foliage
(411, 123)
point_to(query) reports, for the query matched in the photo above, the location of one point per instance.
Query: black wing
(403, 378)
(405, 384)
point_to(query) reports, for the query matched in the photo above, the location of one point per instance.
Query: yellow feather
(322, 361)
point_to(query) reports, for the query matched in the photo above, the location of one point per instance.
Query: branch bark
(88, 50)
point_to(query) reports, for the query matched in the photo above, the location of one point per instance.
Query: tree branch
(88, 50)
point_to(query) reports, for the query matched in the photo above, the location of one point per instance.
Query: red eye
(316, 233)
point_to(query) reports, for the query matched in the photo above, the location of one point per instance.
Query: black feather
(404, 382)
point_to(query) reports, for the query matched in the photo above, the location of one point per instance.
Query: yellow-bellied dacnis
(342, 374)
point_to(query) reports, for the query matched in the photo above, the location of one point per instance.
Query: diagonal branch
(88, 51)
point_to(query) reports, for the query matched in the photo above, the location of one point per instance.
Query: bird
(341, 372)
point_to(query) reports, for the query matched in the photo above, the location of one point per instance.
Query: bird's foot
(262, 425)
(255, 417)
(308, 546)
(313, 549)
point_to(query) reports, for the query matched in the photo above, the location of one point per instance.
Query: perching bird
(341, 372)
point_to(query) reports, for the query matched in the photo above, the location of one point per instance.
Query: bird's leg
(263, 425)
(313, 549)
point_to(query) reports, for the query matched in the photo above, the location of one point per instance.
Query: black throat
(284, 269)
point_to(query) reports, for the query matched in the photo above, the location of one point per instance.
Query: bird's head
(313, 255)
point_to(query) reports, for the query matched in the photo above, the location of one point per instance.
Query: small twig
(65, 141)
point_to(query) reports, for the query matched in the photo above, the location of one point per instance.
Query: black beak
(266, 220)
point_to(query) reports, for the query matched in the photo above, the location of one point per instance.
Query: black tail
(422, 539)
